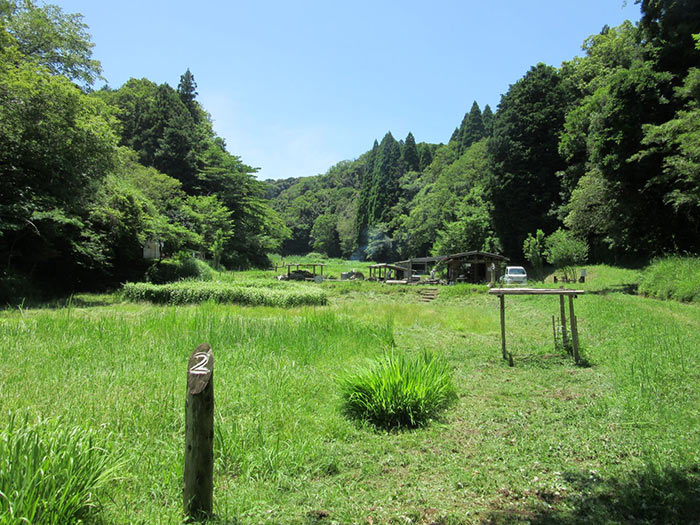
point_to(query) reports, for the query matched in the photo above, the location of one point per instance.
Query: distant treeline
(606, 147)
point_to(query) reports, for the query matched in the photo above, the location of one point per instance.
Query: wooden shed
(474, 267)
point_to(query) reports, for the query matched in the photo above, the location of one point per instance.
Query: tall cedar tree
(385, 191)
(487, 119)
(362, 220)
(525, 155)
(472, 128)
(410, 154)
(187, 89)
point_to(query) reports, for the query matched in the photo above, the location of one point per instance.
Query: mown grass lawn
(544, 441)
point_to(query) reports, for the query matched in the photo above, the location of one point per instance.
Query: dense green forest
(604, 149)
(89, 176)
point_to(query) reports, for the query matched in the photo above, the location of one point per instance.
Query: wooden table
(561, 292)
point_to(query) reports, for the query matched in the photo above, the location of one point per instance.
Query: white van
(514, 275)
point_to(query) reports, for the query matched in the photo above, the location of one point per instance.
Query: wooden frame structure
(386, 272)
(561, 292)
(305, 265)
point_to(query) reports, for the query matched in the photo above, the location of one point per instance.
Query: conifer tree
(410, 154)
(388, 168)
(187, 89)
(472, 128)
(487, 119)
(426, 157)
(362, 218)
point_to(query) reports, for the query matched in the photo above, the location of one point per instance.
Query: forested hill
(605, 147)
(604, 150)
(88, 177)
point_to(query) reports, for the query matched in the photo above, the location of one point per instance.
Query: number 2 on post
(201, 367)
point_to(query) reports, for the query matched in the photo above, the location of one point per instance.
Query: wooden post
(574, 329)
(198, 491)
(503, 325)
(564, 338)
(554, 333)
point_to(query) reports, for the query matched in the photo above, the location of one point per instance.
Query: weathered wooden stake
(554, 333)
(564, 338)
(503, 326)
(198, 491)
(574, 329)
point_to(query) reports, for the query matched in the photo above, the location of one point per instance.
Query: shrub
(398, 392)
(49, 473)
(172, 270)
(187, 292)
(565, 252)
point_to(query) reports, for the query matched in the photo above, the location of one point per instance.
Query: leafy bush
(672, 277)
(565, 252)
(49, 473)
(172, 270)
(398, 392)
(186, 292)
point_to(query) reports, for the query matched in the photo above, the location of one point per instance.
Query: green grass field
(544, 441)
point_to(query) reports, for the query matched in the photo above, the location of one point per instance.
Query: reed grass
(50, 473)
(397, 391)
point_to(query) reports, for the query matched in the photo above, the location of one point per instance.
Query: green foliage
(673, 277)
(194, 292)
(565, 252)
(55, 40)
(50, 473)
(526, 132)
(325, 235)
(410, 154)
(534, 250)
(471, 130)
(397, 392)
(171, 270)
(472, 228)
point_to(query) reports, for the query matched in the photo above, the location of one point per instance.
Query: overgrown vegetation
(672, 278)
(194, 292)
(397, 391)
(51, 472)
(543, 441)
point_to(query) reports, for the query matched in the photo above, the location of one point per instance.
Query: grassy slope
(544, 441)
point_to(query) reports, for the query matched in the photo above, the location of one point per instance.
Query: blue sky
(296, 86)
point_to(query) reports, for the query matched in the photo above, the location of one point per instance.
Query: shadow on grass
(651, 496)
(548, 361)
(628, 289)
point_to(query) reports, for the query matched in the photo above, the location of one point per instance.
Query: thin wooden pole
(574, 329)
(198, 492)
(503, 326)
(554, 333)
(562, 313)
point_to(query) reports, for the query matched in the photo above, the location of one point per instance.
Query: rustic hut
(474, 267)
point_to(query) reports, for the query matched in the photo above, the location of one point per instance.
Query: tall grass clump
(672, 277)
(49, 473)
(194, 292)
(397, 391)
